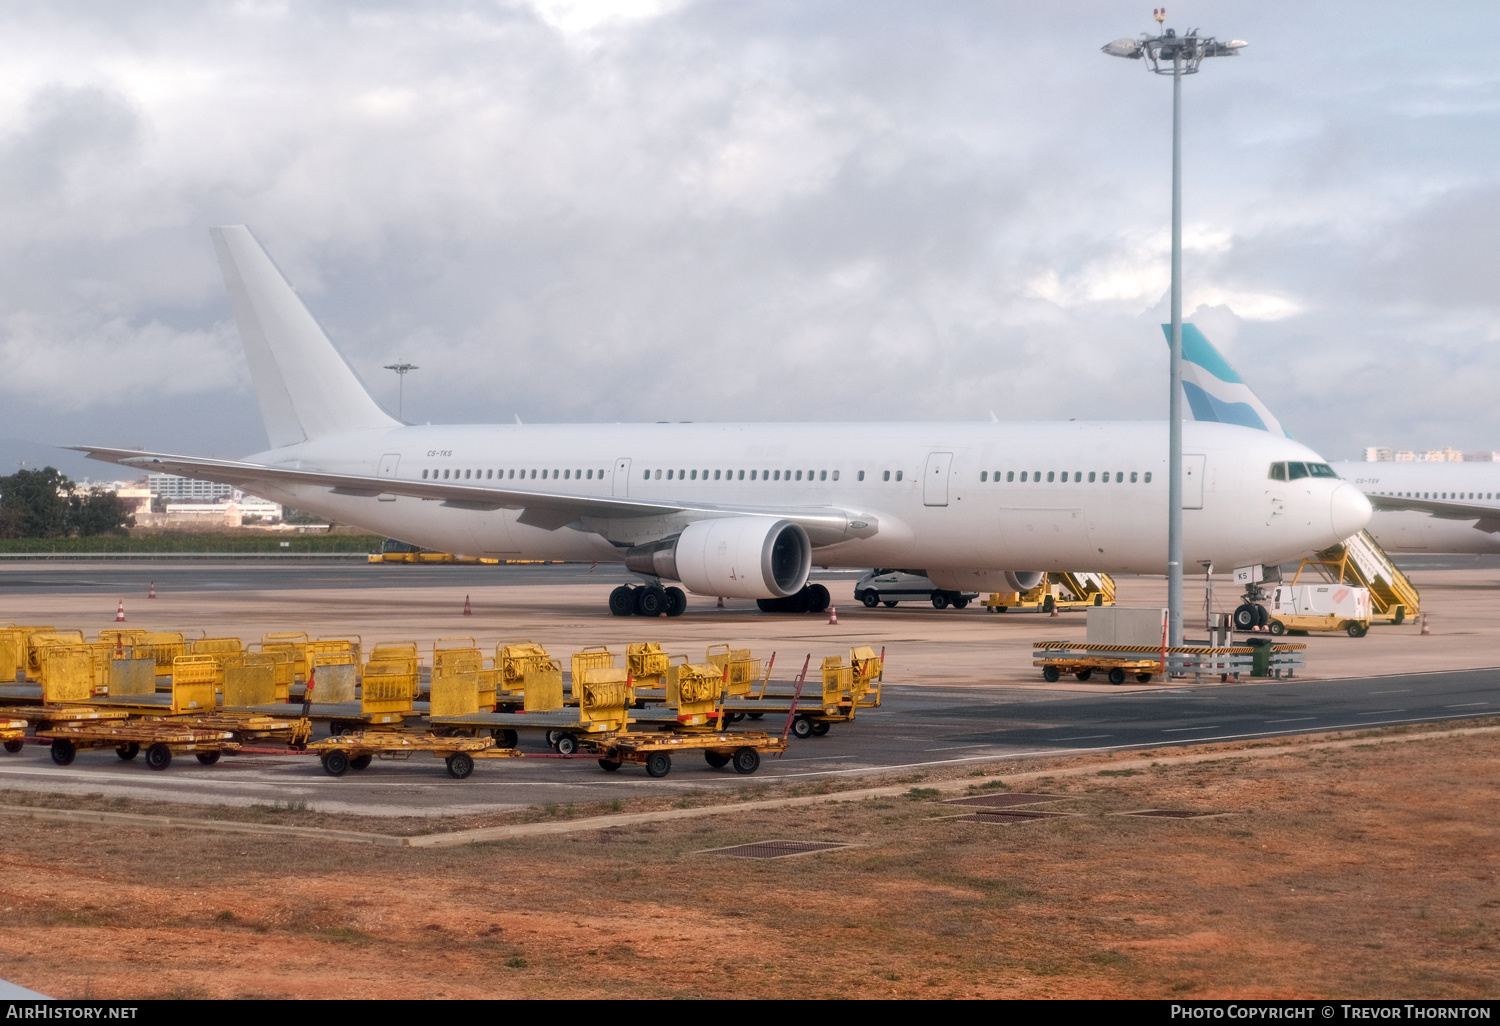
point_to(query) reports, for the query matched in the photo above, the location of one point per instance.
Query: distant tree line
(45, 504)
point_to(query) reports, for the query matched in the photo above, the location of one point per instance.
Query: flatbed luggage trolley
(654, 751)
(160, 738)
(358, 749)
(1115, 661)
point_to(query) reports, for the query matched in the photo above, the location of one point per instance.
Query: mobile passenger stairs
(1361, 561)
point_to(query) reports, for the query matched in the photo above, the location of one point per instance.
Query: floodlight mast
(401, 368)
(1171, 54)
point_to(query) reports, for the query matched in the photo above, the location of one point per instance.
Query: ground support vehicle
(892, 586)
(807, 715)
(1319, 607)
(161, 739)
(1144, 662)
(1058, 590)
(655, 750)
(12, 734)
(247, 725)
(358, 749)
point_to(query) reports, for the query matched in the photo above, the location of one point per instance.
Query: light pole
(1171, 54)
(401, 368)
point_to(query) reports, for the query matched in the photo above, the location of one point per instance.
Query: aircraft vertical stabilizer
(305, 388)
(1214, 391)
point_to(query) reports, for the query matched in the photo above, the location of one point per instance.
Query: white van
(892, 586)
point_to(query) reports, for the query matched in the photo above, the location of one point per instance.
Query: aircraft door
(620, 486)
(935, 481)
(388, 464)
(1193, 470)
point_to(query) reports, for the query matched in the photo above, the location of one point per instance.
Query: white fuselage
(1473, 484)
(929, 490)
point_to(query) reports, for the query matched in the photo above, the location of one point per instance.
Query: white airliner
(1419, 507)
(745, 510)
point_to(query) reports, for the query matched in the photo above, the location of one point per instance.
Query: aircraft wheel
(622, 601)
(1245, 617)
(1262, 616)
(818, 598)
(870, 599)
(768, 605)
(676, 601)
(651, 601)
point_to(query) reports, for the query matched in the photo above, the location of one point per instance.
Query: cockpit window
(1295, 470)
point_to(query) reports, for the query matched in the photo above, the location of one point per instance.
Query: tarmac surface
(960, 686)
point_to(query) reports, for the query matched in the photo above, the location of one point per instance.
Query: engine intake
(737, 557)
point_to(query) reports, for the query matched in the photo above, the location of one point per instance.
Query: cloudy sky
(571, 210)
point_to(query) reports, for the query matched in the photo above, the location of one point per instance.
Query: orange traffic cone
(1054, 610)
(721, 603)
(1426, 630)
(120, 612)
(152, 592)
(467, 611)
(833, 616)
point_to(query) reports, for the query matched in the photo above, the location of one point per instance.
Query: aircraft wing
(550, 511)
(1443, 509)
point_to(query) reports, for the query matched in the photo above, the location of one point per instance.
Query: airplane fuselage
(1021, 496)
(1475, 485)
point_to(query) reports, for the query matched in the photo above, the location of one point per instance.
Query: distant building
(1443, 455)
(1378, 454)
(171, 488)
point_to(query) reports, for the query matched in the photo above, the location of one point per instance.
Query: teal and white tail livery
(1214, 391)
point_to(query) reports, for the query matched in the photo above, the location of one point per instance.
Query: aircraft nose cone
(1350, 510)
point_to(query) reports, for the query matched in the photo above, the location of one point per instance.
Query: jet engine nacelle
(737, 557)
(986, 580)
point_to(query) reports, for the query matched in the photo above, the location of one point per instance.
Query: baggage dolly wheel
(504, 736)
(336, 762)
(746, 760)
(159, 756)
(1084, 674)
(1144, 678)
(361, 761)
(63, 751)
(13, 746)
(1116, 675)
(658, 764)
(755, 716)
(130, 751)
(567, 744)
(821, 727)
(802, 727)
(460, 765)
(209, 758)
(1050, 674)
(718, 760)
(552, 736)
(608, 765)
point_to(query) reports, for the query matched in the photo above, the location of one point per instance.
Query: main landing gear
(651, 600)
(813, 598)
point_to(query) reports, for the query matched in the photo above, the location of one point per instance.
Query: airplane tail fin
(1213, 390)
(305, 388)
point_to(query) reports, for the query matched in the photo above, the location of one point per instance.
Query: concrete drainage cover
(1005, 800)
(1008, 816)
(776, 849)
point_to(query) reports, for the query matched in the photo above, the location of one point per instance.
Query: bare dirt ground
(1368, 871)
